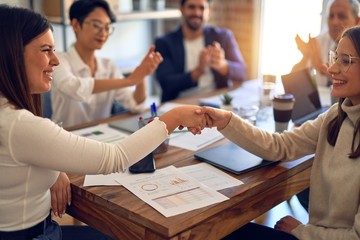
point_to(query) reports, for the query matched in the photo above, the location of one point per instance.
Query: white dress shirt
(72, 99)
(206, 81)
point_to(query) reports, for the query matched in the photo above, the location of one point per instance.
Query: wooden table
(120, 214)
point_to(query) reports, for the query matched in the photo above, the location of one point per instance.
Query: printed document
(171, 192)
(211, 176)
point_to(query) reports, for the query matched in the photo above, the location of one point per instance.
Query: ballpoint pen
(153, 110)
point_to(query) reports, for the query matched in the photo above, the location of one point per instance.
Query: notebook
(307, 100)
(232, 158)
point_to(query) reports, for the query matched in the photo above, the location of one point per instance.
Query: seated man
(197, 58)
(84, 85)
(341, 14)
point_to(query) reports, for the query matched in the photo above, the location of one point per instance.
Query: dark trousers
(82, 233)
(51, 230)
(303, 198)
(253, 231)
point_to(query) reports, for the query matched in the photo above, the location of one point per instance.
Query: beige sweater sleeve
(288, 146)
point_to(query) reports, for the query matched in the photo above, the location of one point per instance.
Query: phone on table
(145, 165)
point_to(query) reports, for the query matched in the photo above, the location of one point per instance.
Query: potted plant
(226, 102)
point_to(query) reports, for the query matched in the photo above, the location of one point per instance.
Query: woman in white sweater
(333, 137)
(32, 149)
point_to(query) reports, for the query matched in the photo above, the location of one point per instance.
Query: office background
(264, 29)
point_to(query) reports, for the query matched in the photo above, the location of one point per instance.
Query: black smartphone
(145, 165)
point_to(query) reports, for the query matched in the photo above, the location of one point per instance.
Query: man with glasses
(341, 14)
(198, 58)
(84, 85)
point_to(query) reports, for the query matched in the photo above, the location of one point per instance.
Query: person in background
(197, 57)
(334, 139)
(34, 149)
(85, 86)
(341, 14)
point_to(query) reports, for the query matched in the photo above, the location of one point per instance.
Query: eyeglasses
(109, 29)
(344, 60)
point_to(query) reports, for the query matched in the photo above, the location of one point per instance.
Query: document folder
(232, 158)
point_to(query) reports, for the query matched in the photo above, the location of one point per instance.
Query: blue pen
(151, 110)
(155, 110)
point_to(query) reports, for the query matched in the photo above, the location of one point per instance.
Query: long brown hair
(334, 125)
(18, 26)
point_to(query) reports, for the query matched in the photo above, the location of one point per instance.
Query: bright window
(282, 20)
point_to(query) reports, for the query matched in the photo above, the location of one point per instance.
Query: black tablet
(232, 158)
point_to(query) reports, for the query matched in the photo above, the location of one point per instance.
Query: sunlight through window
(282, 20)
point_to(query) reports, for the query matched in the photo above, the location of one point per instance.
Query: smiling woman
(40, 61)
(334, 139)
(35, 150)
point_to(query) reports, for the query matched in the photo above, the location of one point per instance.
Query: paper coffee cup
(283, 105)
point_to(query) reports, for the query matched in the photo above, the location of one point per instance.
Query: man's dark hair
(82, 8)
(182, 2)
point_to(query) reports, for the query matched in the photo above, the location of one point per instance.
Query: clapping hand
(217, 59)
(147, 66)
(302, 45)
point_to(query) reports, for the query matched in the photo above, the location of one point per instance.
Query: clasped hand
(209, 117)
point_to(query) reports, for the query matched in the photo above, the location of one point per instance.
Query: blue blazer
(171, 72)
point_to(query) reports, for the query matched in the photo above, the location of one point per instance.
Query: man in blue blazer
(197, 57)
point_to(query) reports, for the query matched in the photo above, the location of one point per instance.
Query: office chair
(46, 104)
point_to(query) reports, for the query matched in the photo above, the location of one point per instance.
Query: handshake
(195, 118)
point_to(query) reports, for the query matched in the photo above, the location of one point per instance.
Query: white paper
(171, 192)
(102, 133)
(104, 180)
(211, 176)
(192, 142)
